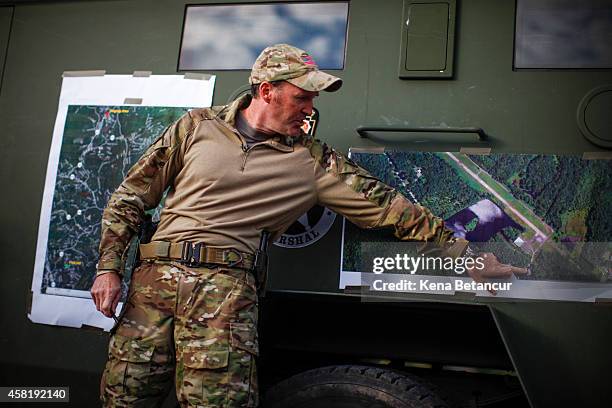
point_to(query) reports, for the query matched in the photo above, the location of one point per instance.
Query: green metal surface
(6, 17)
(559, 351)
(522, 111)
(593, 116)
(427, 32)
(426, 46)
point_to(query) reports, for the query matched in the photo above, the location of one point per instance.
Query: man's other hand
(494, 269)
(106, 292)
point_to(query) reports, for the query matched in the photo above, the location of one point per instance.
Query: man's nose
(308, 108)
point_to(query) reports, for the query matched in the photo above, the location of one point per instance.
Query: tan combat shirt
(224, 194)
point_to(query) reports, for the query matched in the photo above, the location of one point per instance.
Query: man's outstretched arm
(350, 190)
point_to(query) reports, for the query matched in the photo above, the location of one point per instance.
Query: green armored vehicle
(494, 114)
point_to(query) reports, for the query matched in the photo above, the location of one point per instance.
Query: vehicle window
(231, 36)
(563, 34)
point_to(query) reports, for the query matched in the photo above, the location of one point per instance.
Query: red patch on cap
(307, 59)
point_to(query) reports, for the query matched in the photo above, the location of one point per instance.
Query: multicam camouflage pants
(196, 325)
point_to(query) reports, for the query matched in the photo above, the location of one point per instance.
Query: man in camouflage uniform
(233, 172)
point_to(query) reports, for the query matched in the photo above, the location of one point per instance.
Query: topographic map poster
(97, 138)
(547, 213)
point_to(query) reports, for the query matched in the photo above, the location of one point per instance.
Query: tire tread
(404, 387)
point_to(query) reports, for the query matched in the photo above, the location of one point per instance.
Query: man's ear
(265, 91)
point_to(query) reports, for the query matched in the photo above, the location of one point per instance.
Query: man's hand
(494, 269)
(106, 292)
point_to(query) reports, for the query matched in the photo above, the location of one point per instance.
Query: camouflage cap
(285, 62)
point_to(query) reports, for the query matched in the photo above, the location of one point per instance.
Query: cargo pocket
(243, 336)
(131, 350)
(201, 358)
(138, 368)
(202, 375)
(244, 349)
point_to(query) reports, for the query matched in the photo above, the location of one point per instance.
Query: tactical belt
(196, 254)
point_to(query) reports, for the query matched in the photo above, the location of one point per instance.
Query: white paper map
(97, 138)
(99, 146)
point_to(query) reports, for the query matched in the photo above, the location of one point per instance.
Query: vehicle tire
(352, 386)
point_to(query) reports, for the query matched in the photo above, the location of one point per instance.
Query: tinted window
(232, 36)
(563, 34)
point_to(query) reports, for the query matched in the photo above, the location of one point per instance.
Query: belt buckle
(190, 255)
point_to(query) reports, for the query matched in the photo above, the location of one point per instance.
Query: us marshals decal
(308, 229)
